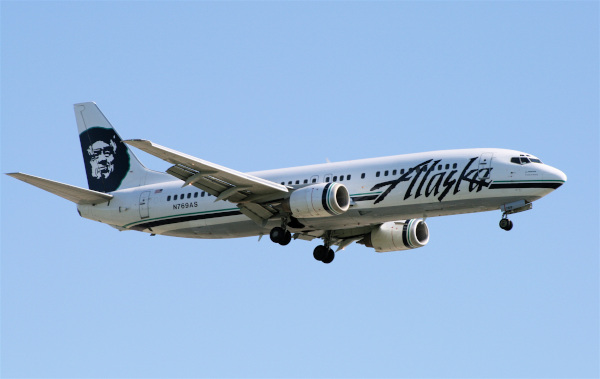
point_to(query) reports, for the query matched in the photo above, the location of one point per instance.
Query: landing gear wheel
(287, 237)
(329, 257)
(277, 234)
(323, 254)
(506, 224)
(320, 253)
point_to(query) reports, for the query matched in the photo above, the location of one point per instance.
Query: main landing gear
(505, 223)
(280, 236)
(324, 254)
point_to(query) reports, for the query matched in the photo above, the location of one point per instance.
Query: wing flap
(75, 194)
(257, 213)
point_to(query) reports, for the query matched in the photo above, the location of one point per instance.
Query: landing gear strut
(505, 223)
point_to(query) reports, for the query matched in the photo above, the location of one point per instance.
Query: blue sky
(260, 85)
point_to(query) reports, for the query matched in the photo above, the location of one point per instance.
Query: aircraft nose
(556, 175)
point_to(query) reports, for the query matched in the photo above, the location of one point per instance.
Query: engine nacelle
(318, 200)
(398, 235)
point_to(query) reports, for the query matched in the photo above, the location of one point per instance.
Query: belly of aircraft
(238, 226)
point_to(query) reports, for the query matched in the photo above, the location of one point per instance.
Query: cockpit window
(524, 160)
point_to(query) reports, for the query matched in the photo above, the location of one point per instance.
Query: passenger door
(144, 203)
(485, 166)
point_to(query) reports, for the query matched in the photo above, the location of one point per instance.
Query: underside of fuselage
(237, 226)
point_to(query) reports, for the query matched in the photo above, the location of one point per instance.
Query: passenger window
(454, 165)
(283, 183)
(341, 178)
(385, 173)
(290, 183)
(189, 195)
(394, 172)
(424, 168)
(362, 176)
(175, 197)
(402, 172)
(169, 198)
(202, 194)
(348, 178)
(327, 179)
(335, 178)
(314, 180)
(447, 166)
(440, 168)
(305, 181)
(377, 174)
(297, 182)
(195, 195)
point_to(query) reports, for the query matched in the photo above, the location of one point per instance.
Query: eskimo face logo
(106, 158)
(102, 158)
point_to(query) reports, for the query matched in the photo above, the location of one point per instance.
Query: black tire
(505, 223)
(510, 226)
(287, 238)
(320, 253)
(277, 234)
(329, 257)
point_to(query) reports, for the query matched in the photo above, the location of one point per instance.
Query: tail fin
(109, 163)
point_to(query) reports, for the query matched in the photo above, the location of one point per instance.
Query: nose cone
(555, 176)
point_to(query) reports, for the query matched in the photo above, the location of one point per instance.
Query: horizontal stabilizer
(75, 194)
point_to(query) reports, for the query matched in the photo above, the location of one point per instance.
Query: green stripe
(408, 234)
(328, 202)
(524, 181)
(366, 193)
(178, 215)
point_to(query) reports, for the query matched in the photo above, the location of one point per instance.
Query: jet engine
(398, 235)
(318, 200)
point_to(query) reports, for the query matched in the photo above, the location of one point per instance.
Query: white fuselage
(382, 189)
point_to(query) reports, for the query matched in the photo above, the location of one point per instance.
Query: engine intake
(318, 200)
(398, 235)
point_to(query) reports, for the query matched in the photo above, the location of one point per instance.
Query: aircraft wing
(75, 194)
(251, 193)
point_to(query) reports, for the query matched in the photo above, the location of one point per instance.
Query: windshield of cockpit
(525, 159)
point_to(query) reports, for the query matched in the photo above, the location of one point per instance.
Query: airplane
(381, 203)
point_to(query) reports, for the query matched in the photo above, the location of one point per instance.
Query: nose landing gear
(506, 224)
(510, 208)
